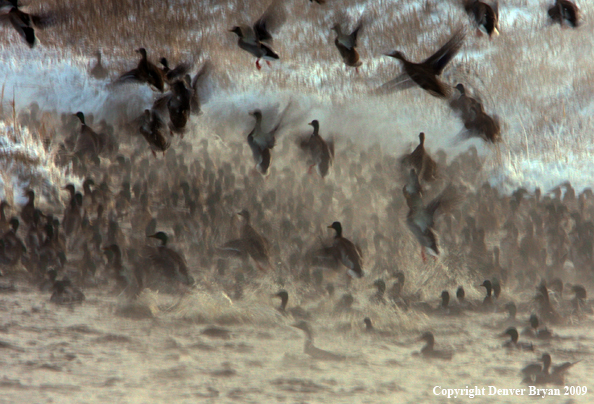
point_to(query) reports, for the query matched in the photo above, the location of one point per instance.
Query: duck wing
(272, 19)
(199, 92)
(439, 60)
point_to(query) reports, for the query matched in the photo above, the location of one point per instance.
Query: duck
(379, 296)
(420, 218)
(461, 297)
(28, 211)
(485, 15)
(172, 75)
(262, 142)
(370, 329)
(425, 74)
(14, 248)
(145, 72)
(537, 374)
(445, 308)
(99, 71)
(65, 293)
(421, 161)
(178, 104)
(347, 46)
(297, 312)
(250, 244)
(25, 23)
(428, 351)
(3, 220)
(513, 342)
(477, 123)
(170, 262)
(257, 38)
(488, 300)
(313, 351)
(533, 330)
(152, 126)
(321, 152)
(216, 332)
(126, 282)
(346, 252)
(88, 143)
(565, 11)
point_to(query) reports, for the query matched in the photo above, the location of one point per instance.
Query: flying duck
(425, 74)
(153, 128)
(565, 11)
(253, 39)
(145, 72)
(485, 16)
(24, 23)
(346, 45)
(262, 142)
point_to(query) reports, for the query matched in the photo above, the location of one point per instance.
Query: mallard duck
(428, 351)
(537, 374)
(485, 16)
(24, 23)
(99, 71)
(534, 332)
(145, 72)
(370, 329)
(14, 248)
(88, 143)
(313, 351)
(250, 244)
(488, 300)
(477, 123)
(127, 282)
(261, 143)
(346, 45)
(172, 75)
(420, 218)
(425, 74)
(513, 342)
(178, 104)
(421, 161)
(65, 293)
(28, 211)
(153, 127)
(321, 152)
(346, 252)
(171, 263)
(252, 39)
(297, 312)
(565, 11)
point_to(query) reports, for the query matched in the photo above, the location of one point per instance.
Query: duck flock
(151, 209)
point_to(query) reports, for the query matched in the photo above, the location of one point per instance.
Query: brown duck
(425, 74)
(347, 46)
(145, 72)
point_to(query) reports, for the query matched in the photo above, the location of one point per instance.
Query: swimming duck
(445, 308)
(346, 252)
(546, 309)
(24, 23)
(99, 71)
(251, 243)
(153, 127)
(565, 11)
(171, 263)
(488, 300)
(370, 329)
(253, 39)
(347, 46)
(428, 351)
(321, 152)
(419, 159)
(535, 374)
(145, 72)
(513, 342)
(485, 16)
(534, 332)
(311, 350)
(425, 74)
(420, 218)
(296, 312)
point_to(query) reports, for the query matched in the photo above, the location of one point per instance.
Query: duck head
(337, 227)
(395, 54)
(316, 126)
(142, 52)
(237, 30)
(81, 117)
(160, 236)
